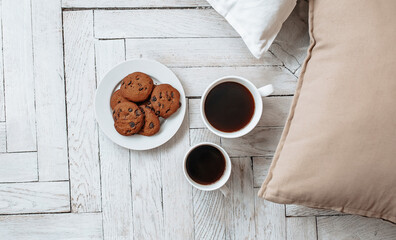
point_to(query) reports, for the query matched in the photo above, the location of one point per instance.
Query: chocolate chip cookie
(151, 121)
(117, 98)
(136, 87)
(128, 118)
(165, 100)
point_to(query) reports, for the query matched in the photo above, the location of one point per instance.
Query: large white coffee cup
(220, 183)
(257, 94)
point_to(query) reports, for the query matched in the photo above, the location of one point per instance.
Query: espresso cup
(257, 94)
(207, 186)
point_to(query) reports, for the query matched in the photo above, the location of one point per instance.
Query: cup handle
(224, 190)
(266, 90)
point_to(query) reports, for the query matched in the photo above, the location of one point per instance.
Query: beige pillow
(338, 148)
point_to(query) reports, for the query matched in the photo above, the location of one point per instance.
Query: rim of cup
(258, 107)
(223, 179)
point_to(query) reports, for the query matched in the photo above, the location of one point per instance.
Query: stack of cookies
(138, 105)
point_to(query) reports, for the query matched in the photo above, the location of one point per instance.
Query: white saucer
(160, 74)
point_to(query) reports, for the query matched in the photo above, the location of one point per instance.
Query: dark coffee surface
(205, 164)
(229, 107)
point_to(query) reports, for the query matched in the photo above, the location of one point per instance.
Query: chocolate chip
(120, 110)
(132, 124)
(137, 78)
(129, 82)
(129, 109)
(160, 95)
(145, 88)
(157, 112)
(128, 131)
(151, 125)
(119, 101)
(167, 111)
(149, 103)
(154, 99)
(172, 94)
(159, 104)
(140, 89)
(139, 84)
(137, 112)
(113, 111)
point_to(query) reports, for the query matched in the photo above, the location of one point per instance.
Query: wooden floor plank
(52, 226)
(242, 197)
(275, 112)
(261, 141)
(196, 79)
(18, 76)
(260, 169)
(115, 169)
(270, 220)
(2, 103)
(49, 89)
(3, 137)
(80, 92)
(148, 213)
(35, 197)
(355, 227)
(131, 4)
(194, 52)
(209, 206)
(18, 167)
(301, 228)
(164, 23)
(177, 192)
(302, 211)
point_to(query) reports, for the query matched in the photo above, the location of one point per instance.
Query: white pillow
(257, 21)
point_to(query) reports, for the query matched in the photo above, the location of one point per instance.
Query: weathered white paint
(18, 167)
(18, 75)
(80, 92)
(301, 228)
(131, 4)
(49, 90)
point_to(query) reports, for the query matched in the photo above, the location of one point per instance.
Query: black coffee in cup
(205, 164)
(229, 107)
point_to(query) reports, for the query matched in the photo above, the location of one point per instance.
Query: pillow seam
(263, 190)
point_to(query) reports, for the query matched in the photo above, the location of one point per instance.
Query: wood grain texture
(83, 132)
(270, 220)
(292, 42)
(209, 206)
(18, 167)
(261, 141)
(49, 89)
(301, 228)
(275, 112)
(52, 226)
(261, 166)
(115, 169)
(177, 192)
(242, 197)
(161, 23)
(148, 212)
(194, 52)
(355, 227)
(302, 211)
(2, 103)
(18, 76)
(131, 4)
(203, 135)
(3, 137)
(196, 79)
(35, 197)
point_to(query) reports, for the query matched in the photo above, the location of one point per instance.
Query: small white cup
(219, 184)
(257, 94)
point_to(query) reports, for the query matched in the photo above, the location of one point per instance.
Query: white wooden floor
(61, 178)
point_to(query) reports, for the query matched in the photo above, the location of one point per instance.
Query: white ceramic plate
(160, 74)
